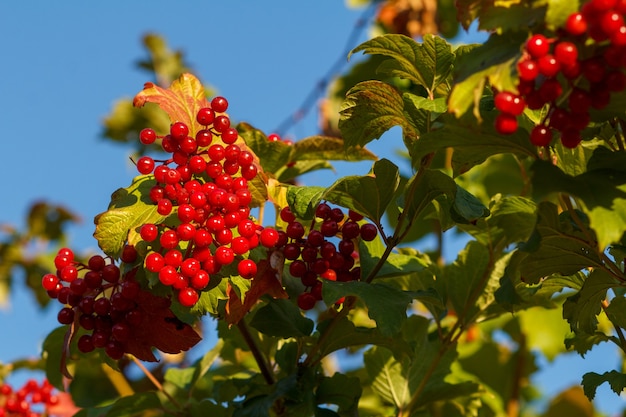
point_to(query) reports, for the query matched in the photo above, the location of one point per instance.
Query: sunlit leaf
(370, 109)
(181, 101)
(129, 209)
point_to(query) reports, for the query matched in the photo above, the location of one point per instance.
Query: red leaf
(265, 282)
(181, 101)
(64, 408)
(159, 328)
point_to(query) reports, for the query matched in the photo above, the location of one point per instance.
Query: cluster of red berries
(573, 72)
(315, 256)
(25, 401)
(275, 137)
(98, 298)
(207, 192)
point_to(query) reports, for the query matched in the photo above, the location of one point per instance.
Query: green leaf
(281, 318)
(387, 306)
(582, 308)
(511, 220)
(369, 110)
(432, 184)
(555, 247)
(427, 64)
(467, 208)
(52, 352)
(209, 300)
(493, 61)
(135, 404)
(558, 11)
(396, 381)
(345, 334)
(602, 189)
(468, 276)
(472, 143)
(368, 194)
(503, 19)
(304, 199)
(341, 390)
(591, 381)
(616, 312)
(129, 209)
(327, 148)
(544, 330)
(583, 342)
(273, 156)
(396, 265)
(389, 376)
(437, 105)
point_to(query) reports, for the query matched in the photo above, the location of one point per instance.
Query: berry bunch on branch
(186, 240)
(568, 75)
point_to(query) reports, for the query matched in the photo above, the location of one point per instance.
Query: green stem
(256, 352)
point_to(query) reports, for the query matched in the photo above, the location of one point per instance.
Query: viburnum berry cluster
(98, 298)
(31, 400)
(204, 187)
(567, 75)
(314, 255)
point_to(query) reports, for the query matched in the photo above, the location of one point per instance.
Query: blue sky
(65, 63)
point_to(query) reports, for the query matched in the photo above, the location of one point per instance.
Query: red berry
(219, 104)
(269, 237)
(295, 230)
(566, 53)
(528, 70)
(306, 301)
(247, 268)
(224, 255)
(286, 215)
(49, 282)
(149, 232)
(129, 254)
(154, 262)
(221, 123)
(576, 24)
(188, 297)
(205, 116)
(541, 135)
(179, 131)
(538, 46)
(200, 280)
(368, 232)
(505, 124)
(147, 136)
(570, 138)
(549, 66)
(510, 103)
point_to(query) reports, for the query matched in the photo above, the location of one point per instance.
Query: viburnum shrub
(338, 305)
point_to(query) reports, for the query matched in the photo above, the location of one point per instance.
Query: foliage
(544, 228)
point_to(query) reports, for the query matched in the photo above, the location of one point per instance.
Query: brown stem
(256, 352)
(512, 406)
(155, 381)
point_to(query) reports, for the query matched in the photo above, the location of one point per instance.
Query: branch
(256, 352)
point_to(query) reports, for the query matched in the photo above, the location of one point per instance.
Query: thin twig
(155, 381)
(256, 352)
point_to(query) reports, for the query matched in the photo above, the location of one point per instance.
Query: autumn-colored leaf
(181, 101)
(265, 282)
(65, 407)
(159, 328)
